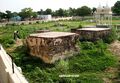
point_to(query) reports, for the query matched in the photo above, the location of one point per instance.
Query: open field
(93, 64)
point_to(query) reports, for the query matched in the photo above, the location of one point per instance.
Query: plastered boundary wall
(32, 22)
(6, 72)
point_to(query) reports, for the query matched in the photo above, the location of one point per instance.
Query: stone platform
(52, 46)
(92, 33)
(42, 31)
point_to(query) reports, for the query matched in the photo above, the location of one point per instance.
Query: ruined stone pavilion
(103, 16)
(52, 46)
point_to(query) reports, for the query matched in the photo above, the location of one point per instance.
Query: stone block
(92, 34)
(52, 46)
(42, 31)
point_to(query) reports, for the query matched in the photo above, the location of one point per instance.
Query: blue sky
(17, 5)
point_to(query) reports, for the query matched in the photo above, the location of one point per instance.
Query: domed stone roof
(103, 10)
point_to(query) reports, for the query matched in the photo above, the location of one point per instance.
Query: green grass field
(90, 64)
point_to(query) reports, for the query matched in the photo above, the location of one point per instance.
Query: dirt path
(115, 49)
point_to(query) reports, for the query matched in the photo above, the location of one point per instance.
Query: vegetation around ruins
(92, 64)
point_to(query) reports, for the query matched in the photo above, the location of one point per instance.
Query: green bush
(37, 22)
(7, 41)
(80, 26)
(13, 24)
(22, 23)
(87, 45)
(111, 36)
(92, 57)
(30, 22)
(62, 66)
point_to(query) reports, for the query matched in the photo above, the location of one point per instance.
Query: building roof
(52, 34)
(103, 10)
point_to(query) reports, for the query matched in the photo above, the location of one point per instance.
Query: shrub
(62, 66)
(13, 24)
(30, 22)
(80, 26)
(111, 36)
(87, 45)
(22, 24)
(92, 57)
(6, 41)
(37, 22)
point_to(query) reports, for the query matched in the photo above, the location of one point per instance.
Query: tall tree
(60, 12)
(116, 8)
(15, 14)
(72, 11)
(41, 12)
(93, 10)
(1, 15)
(48, 11)
(9, 14)
(26, 13)
(34, 14)
(83, 11)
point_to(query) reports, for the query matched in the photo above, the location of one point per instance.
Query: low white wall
(6, 74)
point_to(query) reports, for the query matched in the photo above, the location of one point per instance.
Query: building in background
(103, 16)
(16, 18)
(44, 17)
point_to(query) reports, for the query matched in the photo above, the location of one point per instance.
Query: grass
(92, 60)
(90, 64)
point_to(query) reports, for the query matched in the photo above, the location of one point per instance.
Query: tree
(93, 10)
(15, 14)
(9, 14)
(60, 12)
(48, 11)
(72, 11)
(41, 12)
(26, 13)
(83, 11)
(34, 14)
(2, 15)
(116, 8)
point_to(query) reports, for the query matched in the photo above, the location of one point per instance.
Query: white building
(103, 15)
(44, 17)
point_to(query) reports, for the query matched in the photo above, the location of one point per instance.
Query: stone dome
(99, 9)
(107, 9)
(103, 10)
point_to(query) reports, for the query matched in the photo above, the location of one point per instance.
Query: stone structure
(103, 16)
(42, 31)
(52, 46)
(6, 70)
(91, 33)
(44, 17)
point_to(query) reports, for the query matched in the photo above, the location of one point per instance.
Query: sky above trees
(17, 5)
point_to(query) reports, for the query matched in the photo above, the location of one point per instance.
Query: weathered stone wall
(92, 35)
(52, 49)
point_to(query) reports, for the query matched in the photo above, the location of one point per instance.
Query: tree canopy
(116, 8)
(8, 14)
(83, 11)
(26, 13)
